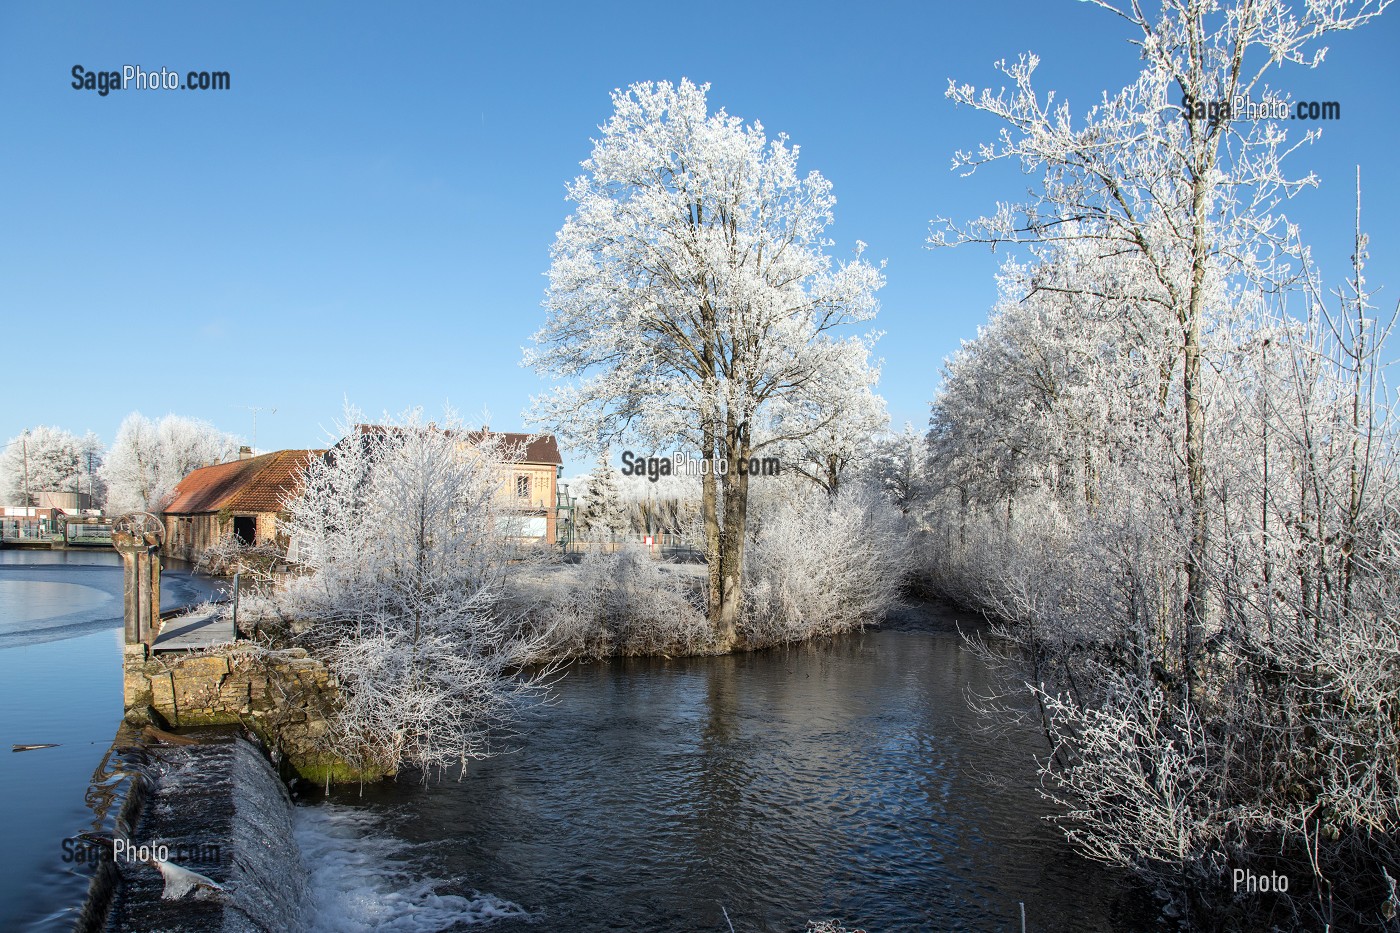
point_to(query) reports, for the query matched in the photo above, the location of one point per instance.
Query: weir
(216, 809)
(190, 671)
(193, 832)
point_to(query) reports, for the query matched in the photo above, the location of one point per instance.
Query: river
(843, 780)
(60, 683)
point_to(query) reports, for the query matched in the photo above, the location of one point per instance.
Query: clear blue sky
(367, 212)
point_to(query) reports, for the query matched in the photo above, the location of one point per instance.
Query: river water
(60, 683)
(845, 780)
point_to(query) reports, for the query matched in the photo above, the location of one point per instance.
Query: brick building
(242, 497)
(529, 493)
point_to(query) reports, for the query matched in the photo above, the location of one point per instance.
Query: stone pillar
(140, 553)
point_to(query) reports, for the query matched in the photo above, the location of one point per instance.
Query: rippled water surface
(845, 780)
(60, 683)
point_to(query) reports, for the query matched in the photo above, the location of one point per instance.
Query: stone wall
(285, 697)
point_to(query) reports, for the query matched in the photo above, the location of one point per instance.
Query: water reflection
(844, 780)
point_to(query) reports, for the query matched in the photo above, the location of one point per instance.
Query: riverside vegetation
(440, 632)
(1165, 469)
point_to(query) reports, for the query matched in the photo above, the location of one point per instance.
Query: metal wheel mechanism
(139, 524)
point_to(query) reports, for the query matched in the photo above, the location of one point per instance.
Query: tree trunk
(1196, 589)
(733, 536)
(714, 542)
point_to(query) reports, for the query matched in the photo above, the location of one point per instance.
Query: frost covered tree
(47, 459)
(690, 292)
(671, 505)
(823, 441)
(899, 466)
(602, 511)
(149, 458)
(405, 572)
(1158, 472)
(1160, 171)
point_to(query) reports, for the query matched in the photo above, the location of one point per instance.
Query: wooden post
(140, 551)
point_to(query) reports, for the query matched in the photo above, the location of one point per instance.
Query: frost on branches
(823, 564)
(601, 512)
(45, 459)
(396, 530)
(149, 458)
(691, 300)
(1177, 492)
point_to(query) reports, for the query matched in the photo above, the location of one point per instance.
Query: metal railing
(661, 546)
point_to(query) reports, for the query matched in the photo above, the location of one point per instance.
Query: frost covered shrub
(404, 572)
(620, 603)
(821, 565)
(230, 555)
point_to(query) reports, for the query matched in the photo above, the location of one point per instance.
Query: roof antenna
(255, 409)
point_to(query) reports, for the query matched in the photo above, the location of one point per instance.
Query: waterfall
(215, 809)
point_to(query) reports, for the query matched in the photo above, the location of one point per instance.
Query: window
(522, 486)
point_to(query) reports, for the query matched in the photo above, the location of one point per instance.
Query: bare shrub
(822, 565)
(618, 603)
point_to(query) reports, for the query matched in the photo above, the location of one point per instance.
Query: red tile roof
(521, 448)
(532, 448)
(259, 484)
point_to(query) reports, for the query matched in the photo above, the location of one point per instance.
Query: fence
(90, 531)
(25, 529)
(660, 546)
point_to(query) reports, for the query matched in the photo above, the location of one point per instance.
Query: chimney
(245, 452)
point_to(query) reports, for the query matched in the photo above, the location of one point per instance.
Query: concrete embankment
(202, 840)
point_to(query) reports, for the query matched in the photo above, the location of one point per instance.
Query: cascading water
(218, 811)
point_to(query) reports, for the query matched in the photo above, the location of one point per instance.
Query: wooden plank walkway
(194, 631)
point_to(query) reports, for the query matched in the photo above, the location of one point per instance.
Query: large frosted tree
(148, 458)
(690, 293)
(46, 459)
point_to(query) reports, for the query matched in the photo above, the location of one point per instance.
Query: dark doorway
(245, 528)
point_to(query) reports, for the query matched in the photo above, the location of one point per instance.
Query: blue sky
(367, 212)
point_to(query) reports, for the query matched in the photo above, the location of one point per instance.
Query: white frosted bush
(405, 572)
(821, 565)
(620, 603)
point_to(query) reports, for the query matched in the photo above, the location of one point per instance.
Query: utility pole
(25, 449)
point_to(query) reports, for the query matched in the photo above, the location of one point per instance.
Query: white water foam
(362, 879)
